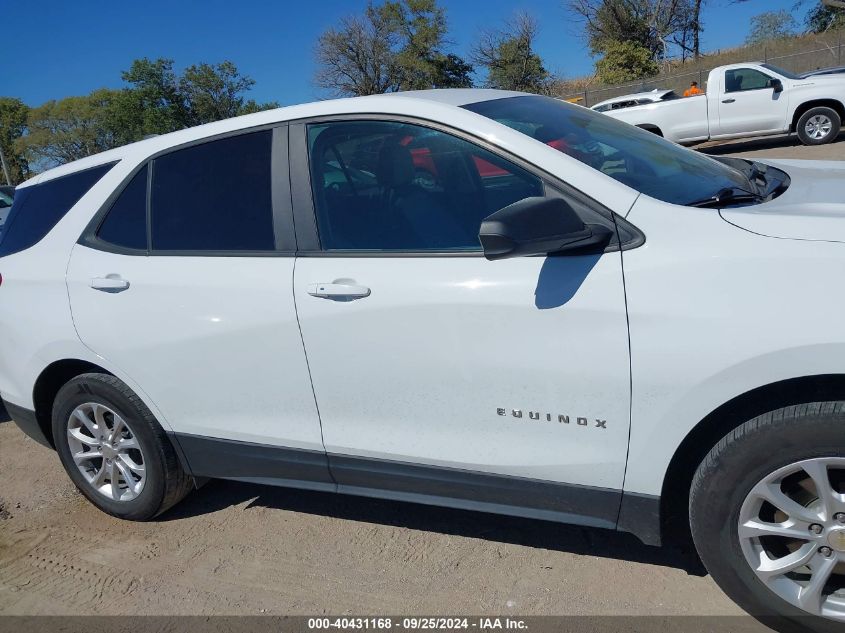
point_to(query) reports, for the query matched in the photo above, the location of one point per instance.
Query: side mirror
(538, 226)
(776, 84)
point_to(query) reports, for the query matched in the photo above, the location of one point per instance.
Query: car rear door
(188, 291)
(440, 375)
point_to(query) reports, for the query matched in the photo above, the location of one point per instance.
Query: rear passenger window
(126, 222)
(214, 197)
(38, 208)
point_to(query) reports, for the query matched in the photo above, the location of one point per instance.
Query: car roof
(412, 101)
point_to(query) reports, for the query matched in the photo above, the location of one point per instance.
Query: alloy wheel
(106, 451)
(818, 126)
(792, 533)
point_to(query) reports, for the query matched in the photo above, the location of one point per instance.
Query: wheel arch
(834, 104)
(48, 383)
(648, 127)
(674, 498)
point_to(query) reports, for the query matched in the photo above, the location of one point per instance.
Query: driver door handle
(338, 291)
(728, 100)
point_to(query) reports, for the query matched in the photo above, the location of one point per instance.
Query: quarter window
(126, 222)
(742, 79)
(214, 197)
(390, 186)
(38, 208)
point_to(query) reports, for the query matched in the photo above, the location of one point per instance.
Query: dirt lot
(234, 548)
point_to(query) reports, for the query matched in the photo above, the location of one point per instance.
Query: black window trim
(283, 223)
(304, 211)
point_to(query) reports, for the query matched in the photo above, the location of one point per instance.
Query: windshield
(639, 159)
(780, 71)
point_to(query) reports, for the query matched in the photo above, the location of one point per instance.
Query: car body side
(716, 313)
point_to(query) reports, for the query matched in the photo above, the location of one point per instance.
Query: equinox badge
(549, 417)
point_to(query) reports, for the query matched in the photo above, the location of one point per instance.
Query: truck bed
(680, 120)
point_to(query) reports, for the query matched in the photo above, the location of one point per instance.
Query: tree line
(391, 45)
(154, 100)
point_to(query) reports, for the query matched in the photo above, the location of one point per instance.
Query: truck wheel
(818, 126)
(114, 450)
(767, 512)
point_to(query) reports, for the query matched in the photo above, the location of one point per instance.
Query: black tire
(165, 484)
(740, 460)
(820, 111)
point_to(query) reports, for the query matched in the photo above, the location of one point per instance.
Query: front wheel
(818, 126)
(767, 512)
(114, 450)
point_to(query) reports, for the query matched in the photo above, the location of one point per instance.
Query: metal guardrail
(798, 62)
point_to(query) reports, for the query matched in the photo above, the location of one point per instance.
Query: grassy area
(797, 54)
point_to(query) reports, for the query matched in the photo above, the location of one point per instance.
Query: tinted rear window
(37, 209)
(214, 197)
(126, 222)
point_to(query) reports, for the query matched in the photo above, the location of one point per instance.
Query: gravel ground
(234, 548)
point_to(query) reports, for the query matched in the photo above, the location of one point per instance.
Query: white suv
(306, 297)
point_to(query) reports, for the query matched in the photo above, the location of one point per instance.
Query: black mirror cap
(776, 84)
(537, 226)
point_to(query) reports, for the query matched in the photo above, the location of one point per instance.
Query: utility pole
(5, 167)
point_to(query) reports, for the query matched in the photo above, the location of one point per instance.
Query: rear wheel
(818, 126)
(767, 512)
(114, 450)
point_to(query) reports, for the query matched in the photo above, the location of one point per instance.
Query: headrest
(395, 165)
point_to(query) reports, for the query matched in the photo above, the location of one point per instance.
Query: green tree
(610, 21)
(13, 120)
(451, 71)
(154, 85)
(71, 128)
(212, 92)
(357, 57)
(656, 25)
(822, 18)
(397, 45)
(771, 25)
(156, 101)
(421, 28)
(510, 59)
(625, 61)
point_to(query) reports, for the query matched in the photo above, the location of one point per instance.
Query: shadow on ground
(4, 417)
(218, 495)
(751, 145)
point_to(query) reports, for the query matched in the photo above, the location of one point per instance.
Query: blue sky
(67, 48)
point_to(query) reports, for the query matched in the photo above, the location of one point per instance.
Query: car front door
(438, 374)
(748, 104)
(188, 292)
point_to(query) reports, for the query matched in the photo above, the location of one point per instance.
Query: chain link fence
(826, 51)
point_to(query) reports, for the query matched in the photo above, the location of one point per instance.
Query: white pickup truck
(748, 100)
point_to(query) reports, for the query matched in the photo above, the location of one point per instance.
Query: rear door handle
(109, 284)
(728, 100)
(338, 291)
